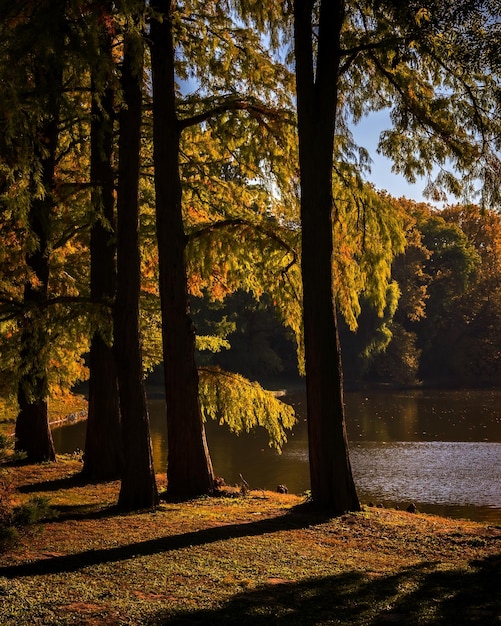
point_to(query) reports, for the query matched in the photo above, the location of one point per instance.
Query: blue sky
(366, 134)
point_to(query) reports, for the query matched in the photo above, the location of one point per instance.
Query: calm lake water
(438, 449)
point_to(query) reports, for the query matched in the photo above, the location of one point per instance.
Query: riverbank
(260, 559)
(64, 409)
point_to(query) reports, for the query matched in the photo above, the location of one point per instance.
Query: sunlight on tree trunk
(332, 485)
(189, 468)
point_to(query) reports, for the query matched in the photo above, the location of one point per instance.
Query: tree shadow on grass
(58, 484)
(421, 595)
(65, 512)
(73, 562)
(80, 512)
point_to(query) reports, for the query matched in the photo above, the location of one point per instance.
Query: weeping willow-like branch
(243, 405)
(237, 222)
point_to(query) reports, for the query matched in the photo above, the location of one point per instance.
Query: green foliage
(372, 337)
(382, 334)
(257, 256)
(4, 442)
(368, 233)
(211, 343)
(257, 345)
(467, 327)
(57, 343)
(31, 512)
(6, 452)
(37, 508)
(244, 405)
(400, 362)
(34, 53)
(445, 327)
(441, 79)
(450, 268)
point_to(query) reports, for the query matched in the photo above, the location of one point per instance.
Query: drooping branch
(427, 123)
(235, 104)
(11, 309)
(69, 234)
(352, 53)
(237, 222)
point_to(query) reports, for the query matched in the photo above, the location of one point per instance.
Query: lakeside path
(260, 559)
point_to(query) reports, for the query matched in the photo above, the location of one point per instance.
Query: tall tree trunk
(332, 485)
(189, 467)
(138, 487)
(103, 450)
(32, 432)
(33, 435)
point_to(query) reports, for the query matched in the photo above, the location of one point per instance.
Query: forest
(439, 326)
(173, 175)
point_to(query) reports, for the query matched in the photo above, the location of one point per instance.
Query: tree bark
(103, 450)
(189, 469)
(138, 486)
(32, 432)
(332, 485)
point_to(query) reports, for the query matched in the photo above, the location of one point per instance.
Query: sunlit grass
(260, 559)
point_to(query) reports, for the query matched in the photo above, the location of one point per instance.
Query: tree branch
(235, 223)
(352, 53)
(10, 309)
(234, 104)
(69, 234)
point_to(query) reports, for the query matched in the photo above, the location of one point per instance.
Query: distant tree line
(440, 326)
(444, 327)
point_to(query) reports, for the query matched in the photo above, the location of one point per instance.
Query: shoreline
(261, 559)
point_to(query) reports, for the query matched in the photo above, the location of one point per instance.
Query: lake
(440, 450)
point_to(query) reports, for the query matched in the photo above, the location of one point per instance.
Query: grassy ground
(260, 559)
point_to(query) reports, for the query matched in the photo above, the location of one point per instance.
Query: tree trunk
(32, 432)
(189, 469)
(33, 435)
(332, 485)
(103, 450)
(138, 487)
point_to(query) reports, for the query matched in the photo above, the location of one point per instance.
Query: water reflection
(441, 450)
(422, 415)
(452, 478)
